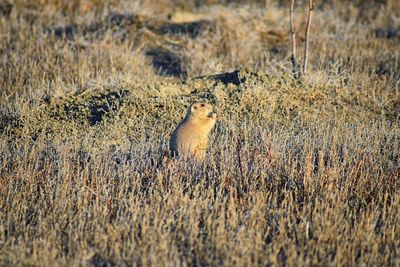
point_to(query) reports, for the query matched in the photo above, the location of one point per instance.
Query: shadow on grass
(166, 62)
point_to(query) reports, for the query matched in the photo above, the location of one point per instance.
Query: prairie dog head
(201, 110)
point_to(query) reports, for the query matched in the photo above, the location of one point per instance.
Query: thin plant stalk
(308, 30)
(293, 38)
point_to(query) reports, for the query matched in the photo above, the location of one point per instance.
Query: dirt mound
(90, 108)
(118, 111)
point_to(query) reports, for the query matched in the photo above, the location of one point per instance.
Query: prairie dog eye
(202, 105)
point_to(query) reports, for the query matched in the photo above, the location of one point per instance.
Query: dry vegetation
(299, 172)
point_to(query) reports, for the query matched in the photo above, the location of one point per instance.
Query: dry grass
(298, 172)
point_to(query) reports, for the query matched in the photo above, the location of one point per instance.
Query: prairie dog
(190, 138)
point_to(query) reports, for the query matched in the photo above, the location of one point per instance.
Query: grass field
(298, 172)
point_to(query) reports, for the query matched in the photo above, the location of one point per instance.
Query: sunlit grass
(297, 173)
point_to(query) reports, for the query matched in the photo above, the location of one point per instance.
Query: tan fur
(190, 138)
